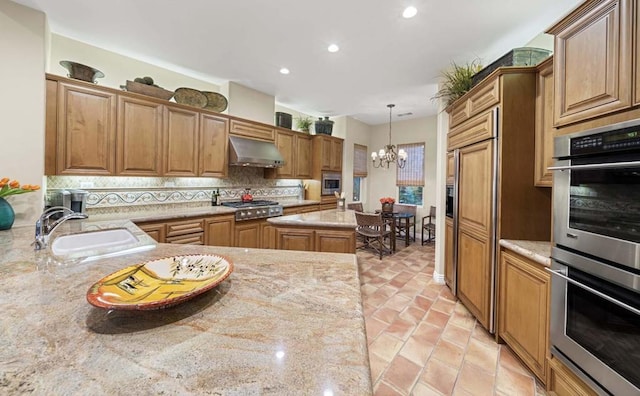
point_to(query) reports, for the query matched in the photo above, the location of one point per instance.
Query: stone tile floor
(423, 341)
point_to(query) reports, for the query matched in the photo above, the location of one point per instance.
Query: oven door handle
(606, 165)
(594, 291)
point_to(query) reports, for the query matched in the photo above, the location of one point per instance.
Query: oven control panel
(621, 139)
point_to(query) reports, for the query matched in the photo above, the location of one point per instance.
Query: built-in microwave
(331, 183)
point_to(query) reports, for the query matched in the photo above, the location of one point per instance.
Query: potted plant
(387, 204)
(457, 81)
(7, 188)
(303, 123)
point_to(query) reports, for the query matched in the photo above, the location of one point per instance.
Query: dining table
(401, 216)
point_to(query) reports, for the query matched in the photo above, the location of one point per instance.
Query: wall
(294, 114)
(382, 181)
(248, 103)
(22, 45)
(356, 132)
(117, 68)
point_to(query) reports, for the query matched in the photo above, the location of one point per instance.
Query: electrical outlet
(86, 184)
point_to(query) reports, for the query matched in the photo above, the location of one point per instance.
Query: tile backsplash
(140, 194)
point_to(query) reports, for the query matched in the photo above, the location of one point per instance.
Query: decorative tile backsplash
(141, 194)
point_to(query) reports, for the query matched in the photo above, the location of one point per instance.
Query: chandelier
(388, 155)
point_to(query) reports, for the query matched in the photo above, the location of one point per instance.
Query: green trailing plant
(457, 81)
(303, 123)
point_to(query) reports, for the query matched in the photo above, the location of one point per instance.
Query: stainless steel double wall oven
(595, 285)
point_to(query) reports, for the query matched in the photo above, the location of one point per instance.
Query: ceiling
(383, 57)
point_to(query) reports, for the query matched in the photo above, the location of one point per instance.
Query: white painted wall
(294, 114)
(117, 68)
(356, 132)
(251, 104)
(22, 45)
(382, 181)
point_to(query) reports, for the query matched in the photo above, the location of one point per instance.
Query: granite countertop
(325, 218)
(286, 323)
(170, 214)
(538, 251)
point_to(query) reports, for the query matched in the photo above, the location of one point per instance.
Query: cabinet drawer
(188, 239)
(184, 227)
(475, 130)
(252, 130)
(483, 97)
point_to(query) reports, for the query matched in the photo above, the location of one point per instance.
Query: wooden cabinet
(593, 61)
(268, 235)
(544, 130)
(523, 310)
(181, 129)
(315, 239)
(190, 231)
(139, 137)
(448, 252)
(483, 96)
(252, 130)
(247, 234)
(327, 155)
(450, 168)
(296, 148)
(471, 131)
(218, 230)
(156, 231)
(563, 382)
(213, 146)
(86, 130)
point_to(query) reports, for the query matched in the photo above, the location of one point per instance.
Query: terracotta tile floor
(423, 341)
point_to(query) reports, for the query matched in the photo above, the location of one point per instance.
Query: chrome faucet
(44, 226)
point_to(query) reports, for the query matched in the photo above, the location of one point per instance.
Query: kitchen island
(285, 323)
(324, 231)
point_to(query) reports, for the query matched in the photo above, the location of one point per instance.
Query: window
(359, 169)
(410, 179)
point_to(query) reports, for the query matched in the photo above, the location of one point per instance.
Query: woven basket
(148, 90)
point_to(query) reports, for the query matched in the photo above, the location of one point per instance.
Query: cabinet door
(474, 188)
(563, 382)
(303, 157)
(219, 231)
(544, 130)
(332, 241)
(474, 274)
(448, 252)
(180, 142)
(523, 310)
(86, 131)
(285, 144)
(214, 141)
(295, 239)
(252, 130)
(336, 155)
(156, 231)
(268, 235)
(247, 234)
(139, 137)
(450, 168)
(592, 62)
(326, 158)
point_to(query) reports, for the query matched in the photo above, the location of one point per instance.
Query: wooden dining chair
(403, 226)
(373, 231)
(429, 225)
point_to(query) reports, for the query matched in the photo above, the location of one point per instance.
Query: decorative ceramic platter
(215, 101)
(190, 97)
(159, 283)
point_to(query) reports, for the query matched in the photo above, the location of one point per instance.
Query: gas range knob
(242, 214)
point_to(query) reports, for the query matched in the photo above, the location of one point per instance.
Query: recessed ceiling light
(333, 48)
(409, 12)
(284, 70)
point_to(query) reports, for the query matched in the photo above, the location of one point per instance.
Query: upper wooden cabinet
(213, 148)
(544, 130)
(450, 168)
(593, 61)
(139, 137)
(252, 130)
(327, 155)
(482, 97)
(94, 130)
(86, 126)
(295, 147)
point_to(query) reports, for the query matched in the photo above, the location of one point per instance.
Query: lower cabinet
(563, 382)
(315, 239)
(215, 230)
(268, 233)
(247, 234)
(523, 310)
(448, 252)
(156, 231)
(219, 230)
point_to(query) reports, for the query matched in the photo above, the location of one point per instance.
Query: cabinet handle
(610, 165)
(594, 291)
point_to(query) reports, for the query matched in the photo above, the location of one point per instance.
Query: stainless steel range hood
(255, 153)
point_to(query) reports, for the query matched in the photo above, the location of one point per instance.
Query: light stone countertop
(285, 323)
(172, 214)
(325, 218)
(538, 251)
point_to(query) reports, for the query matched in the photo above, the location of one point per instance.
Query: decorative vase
(387, 207)
(7, 215)
(324, 127)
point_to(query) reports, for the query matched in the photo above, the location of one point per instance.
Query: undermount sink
(93, 242)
